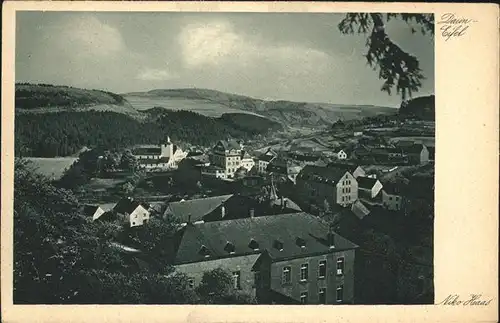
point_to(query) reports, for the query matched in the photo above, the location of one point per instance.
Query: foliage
(422, 108)
(64, 133)
(216, 287)
(62, 257)
(128, 161)
(396, 67)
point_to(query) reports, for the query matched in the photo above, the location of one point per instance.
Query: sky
(276, 56)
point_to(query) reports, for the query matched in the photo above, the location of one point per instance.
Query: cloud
(155, 75)
(217, 43)
(89, 36)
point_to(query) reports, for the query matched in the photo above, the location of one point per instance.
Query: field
(204, 107)
(53, 168)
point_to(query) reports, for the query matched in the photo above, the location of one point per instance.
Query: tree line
(65, 133)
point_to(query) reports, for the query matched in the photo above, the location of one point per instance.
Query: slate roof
(126, 205)
(359, 209)
(197, 208)
(290, 205)
(320, 174)
(348, 167)
(415, 149)
(285, 228)
(393, 189)
(230, 144)
(366, 183)
(266, 158)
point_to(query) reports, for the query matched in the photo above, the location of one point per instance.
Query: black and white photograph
(224, 158)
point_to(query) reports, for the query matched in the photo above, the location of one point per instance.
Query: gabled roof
(393, 189)
(126, 205)
(230, 144)
(266, 158)
(348, 167)
(366, 183)
(318, 173)
(359, 209)
(245, 155)
(90, 210)
(196, 208)
(271, 233)
(416, 148)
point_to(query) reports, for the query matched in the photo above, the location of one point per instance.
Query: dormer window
(204, 251)
(253, 245)
(229, 247)
(278, 245)
(300, 242)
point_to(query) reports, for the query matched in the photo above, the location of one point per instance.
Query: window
(191, 283)
(340, 293)
(322, 296)
(340, 266)
(322, 269)
(236, 280)
(304, 272)
(287, 275)
(303, 298)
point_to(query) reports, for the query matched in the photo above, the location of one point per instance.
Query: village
(288, 218)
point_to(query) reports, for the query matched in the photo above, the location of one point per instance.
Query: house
(263, 161)
(392, 197)
(418, 154)
(336, 185)
(92, 211)
(285, 258)
(198, 210)
(226, 157)
(304, 159)
(284, 169)
(166, 156)
(359, 209)
(133, 212)
(432, 153)
(368, 188)
(355, 170)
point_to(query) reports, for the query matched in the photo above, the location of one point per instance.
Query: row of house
(413, 154)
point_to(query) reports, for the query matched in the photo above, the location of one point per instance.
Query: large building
(227, 157)
(316, 184)
(288, 258)
(166, 156)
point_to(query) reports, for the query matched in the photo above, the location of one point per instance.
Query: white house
(341, 154)
(132, 211)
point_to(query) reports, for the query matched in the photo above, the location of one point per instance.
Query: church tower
(167, 150)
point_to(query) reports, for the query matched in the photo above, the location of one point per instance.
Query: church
(153, 158)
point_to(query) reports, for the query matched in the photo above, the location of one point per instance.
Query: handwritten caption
(472, 300)
(453, 26)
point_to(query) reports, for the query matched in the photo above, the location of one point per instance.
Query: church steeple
(168, 140)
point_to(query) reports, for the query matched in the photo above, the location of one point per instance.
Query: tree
(396, 67)
(128, 161)
(217, 287)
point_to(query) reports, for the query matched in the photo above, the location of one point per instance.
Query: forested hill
(422, 108)
(286, 112)
(64, 133)
(43, 98)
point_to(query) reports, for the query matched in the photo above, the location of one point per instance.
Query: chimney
(189, 218)
(282, 205)
(285, 204)
(222, 211)
(252, 212)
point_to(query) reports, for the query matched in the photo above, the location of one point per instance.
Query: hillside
(64, 133)
(422, 108)
(216, 103)
(45, 98)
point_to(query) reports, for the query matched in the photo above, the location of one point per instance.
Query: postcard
(249, 162)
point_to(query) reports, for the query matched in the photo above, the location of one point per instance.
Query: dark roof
(305, 158)
(318, 173)
(196, 208)
(266, 231)
(393, 189)
(146, 151)
(126, 205)
(230, 144)
(366, 182)
(266, 158)
(89, 210)
(348, 167)
(416, 148)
